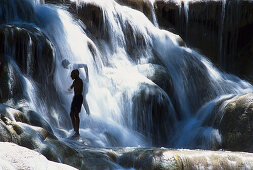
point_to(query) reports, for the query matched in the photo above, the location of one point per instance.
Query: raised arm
(77, 66)
(87, 73)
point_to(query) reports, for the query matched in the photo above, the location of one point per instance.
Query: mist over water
(115, 80)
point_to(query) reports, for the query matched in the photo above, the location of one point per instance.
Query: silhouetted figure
(77, 101)
(66, 64)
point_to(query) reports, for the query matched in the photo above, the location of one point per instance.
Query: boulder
(153, 114)
(13, 114)
(13, 156)
(236, 124)
(100, 158)
(25, 116)
(159, 75)
(8, 134)
(36, 119)
(160, 159)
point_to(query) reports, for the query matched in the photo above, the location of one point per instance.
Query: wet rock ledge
(13, 156)
(16, 127)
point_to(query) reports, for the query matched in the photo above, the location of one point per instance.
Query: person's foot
(76, 135)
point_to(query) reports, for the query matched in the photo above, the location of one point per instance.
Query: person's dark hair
(75, 73)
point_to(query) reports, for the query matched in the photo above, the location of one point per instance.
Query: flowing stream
(115, 78)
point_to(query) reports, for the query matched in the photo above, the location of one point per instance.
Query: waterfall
(153, 13)
(104, 97)
(230, 18)
(118, 88)
(183, 12)
(223, 11)
(186, 12)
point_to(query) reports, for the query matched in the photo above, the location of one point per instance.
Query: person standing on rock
(77, 101)
(66, 64)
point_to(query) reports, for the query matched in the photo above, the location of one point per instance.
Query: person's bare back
(67, 65)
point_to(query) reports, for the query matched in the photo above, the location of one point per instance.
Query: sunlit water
(198, 86)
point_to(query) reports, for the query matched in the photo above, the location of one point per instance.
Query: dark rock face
(90, 14)
(236, 125)
(28, 60)
(24, 50)
(144, 6)
(29, 48)
(7, 8)
(93, 18)
(153, 114)
(222, 34)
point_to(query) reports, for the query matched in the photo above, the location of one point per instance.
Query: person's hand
(69, 91)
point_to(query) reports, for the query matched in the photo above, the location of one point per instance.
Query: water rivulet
(146, 88)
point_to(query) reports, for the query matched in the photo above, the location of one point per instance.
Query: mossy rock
(153, 113)
(236, 126)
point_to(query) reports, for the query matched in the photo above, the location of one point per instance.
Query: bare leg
(73, 119)
(77, 123)
(85, 104)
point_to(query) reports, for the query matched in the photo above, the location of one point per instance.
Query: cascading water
(183, 12)
(229, 35)
(153, 13)
(221, 31)
(118, 89)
